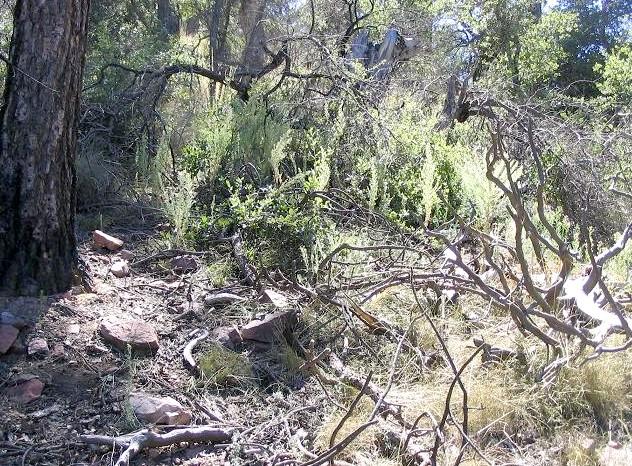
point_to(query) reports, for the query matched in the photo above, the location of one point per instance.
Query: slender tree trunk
(38, 142)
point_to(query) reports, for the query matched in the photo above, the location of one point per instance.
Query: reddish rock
(136, 333)
(8, 334)
(270, 328)
(158, 410)
(120, 269)
(106, 241)
(26, 391)
(37, 347)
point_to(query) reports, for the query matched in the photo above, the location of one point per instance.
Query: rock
(136, 333)
(74, 329)
(126, 254)
(103, 240)
(618, 455)
(8, 335)
(270, 328)
(184, 264)
(6, 318)
(26, 391)
(226, 335)
(37, 347)
(222, 298)
(120, 269)
(58, 350)
(275, 298)
(158, 410)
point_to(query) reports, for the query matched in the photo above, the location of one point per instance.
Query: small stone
(8, 335)
(74, 329)
(26, 391)
(275, 298)
(126, 254)
(158, 410)
(106, 241)
(184, 264)
(120, 269)
(38, 347)
(270, 328)
(226, 335)
(58, 350)
(136, 333)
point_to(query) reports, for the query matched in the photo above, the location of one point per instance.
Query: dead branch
(137, 441)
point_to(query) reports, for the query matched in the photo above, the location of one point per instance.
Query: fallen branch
(136, 441)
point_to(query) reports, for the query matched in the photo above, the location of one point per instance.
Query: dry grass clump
(225, 367)
(578, 450)
(601, 388)
(363, 444)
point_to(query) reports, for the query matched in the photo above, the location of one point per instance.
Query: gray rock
(227, 336)
(275, 298)
(158, 410)
(37, 347)
(120, 269)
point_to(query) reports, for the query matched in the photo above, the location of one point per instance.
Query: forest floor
(277, 395)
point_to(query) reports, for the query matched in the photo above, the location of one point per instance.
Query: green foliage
(542, 48)
(616, 74)
(225, 367)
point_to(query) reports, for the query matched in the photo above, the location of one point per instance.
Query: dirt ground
(87, 381)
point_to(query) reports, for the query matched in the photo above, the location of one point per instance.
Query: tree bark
(38, 143)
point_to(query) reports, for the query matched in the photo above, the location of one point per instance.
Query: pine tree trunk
(38, 142)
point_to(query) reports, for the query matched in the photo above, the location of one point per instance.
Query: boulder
(106, 241)
(136, 333)
(270, 328)
(26, 390)
(8, 335)
(158, 410)
(37, 347)
(120, 269)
